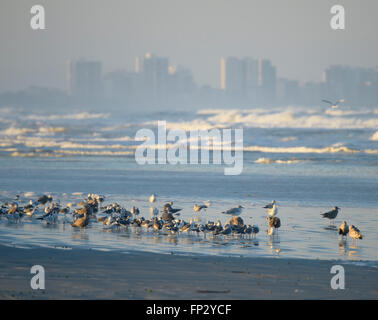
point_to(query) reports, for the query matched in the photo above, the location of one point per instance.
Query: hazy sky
(294, 34)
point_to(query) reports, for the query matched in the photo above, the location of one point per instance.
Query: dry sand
(89, 274)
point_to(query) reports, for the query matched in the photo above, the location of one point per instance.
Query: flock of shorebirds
(344, 229)
(165, 221)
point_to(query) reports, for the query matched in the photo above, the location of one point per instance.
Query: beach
(311, 163)
(89, 274)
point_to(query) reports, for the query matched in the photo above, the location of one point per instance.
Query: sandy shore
(89, 274)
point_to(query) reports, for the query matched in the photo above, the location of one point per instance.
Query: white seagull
(234, 211)
(152, 198)
(273, 211)
(334, 105)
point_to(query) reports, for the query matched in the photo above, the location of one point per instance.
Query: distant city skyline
(155, 83)
(294, 34)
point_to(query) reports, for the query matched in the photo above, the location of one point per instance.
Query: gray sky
(294, 34)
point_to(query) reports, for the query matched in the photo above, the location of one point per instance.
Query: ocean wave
(50, 130)
(270, 161)
(61, 153)
(287, 118)
(371, 151)
(74, 116)
(13, 131)
(374, 137)
(350, 112)
(330, 149)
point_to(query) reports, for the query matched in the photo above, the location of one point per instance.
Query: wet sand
(89, 274)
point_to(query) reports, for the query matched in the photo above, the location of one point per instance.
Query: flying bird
(334, 105)
(198, 208)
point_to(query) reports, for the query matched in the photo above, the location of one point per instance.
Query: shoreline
(91, 274)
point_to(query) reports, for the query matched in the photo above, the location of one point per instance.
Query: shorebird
(236, 221)
(81, 222)
(152, 198)
(255, 230)
(234, 211)
(156, 224)
(198, 208)
(248, 230)
(154, 211)
(30, 211)
(227, 230)
(13, 209)
(354, 233)
(44, 199)
(331, 215)
(168, 208)
(274, 224)
(334, 105)
(273, 211)
(167, 216)
(218, 227)
(135, 211)
(185, 228)
(13, 213)
(270, 205)
(50, 215)
(343, 229)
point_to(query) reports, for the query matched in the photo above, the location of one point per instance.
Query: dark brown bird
(331, 215)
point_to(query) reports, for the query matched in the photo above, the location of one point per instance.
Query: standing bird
(44, 199)
(234, 211)
(270, 205)
(331, 215)
(167, 216)
(168, 208)
(152, 198)
(354, 233)
(83, 221)
(274, 224)
(273, 211)
(154, 211)
(135, 211)
(255, 230)
(343, 229)
(334, 105)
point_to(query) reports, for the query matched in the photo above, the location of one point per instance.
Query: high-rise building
(232, 78)
(249, 81)
(267, 82)
(84, 79)
(358, 86)
(155, 76)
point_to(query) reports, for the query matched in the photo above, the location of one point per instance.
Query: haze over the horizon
(294, 34)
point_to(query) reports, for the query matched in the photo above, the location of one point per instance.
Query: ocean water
(308, 160)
